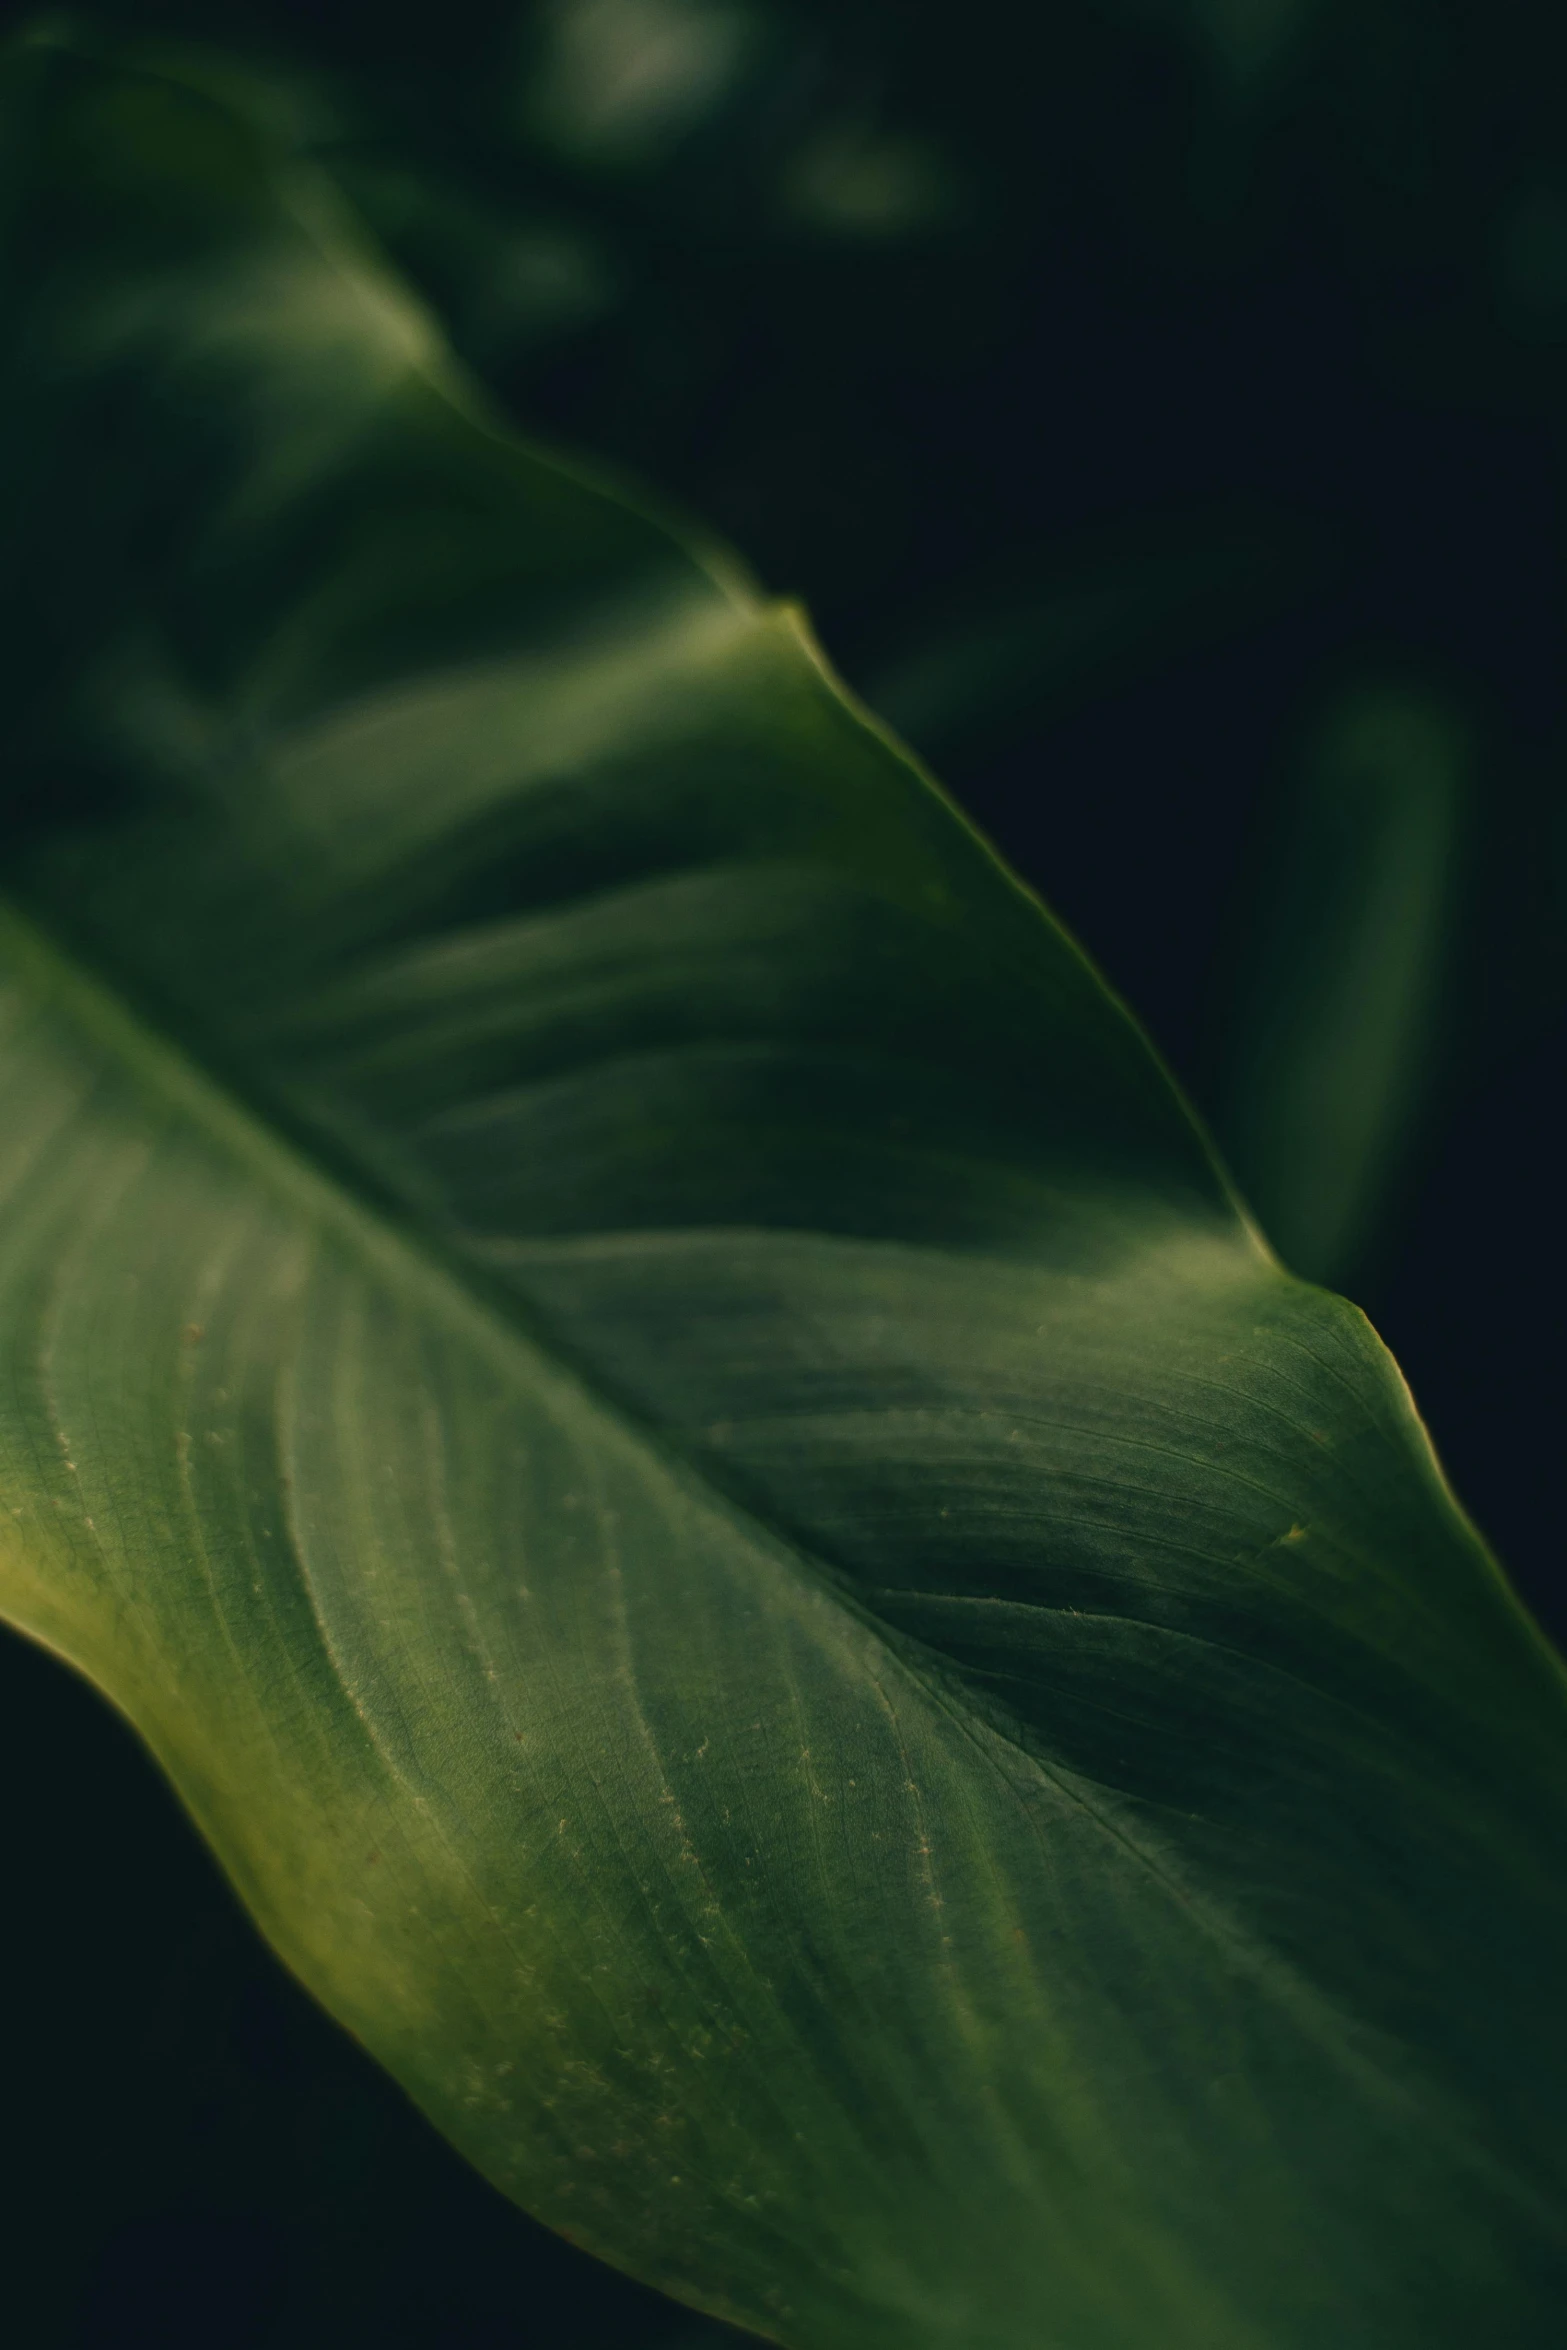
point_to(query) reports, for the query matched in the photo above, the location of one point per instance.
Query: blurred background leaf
(1160, 405)
(1344, 1001)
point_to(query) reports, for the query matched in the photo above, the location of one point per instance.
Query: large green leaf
(646, 1394)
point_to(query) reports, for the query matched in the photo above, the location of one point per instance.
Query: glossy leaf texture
(647, 1395)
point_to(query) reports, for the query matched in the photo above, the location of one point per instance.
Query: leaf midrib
(397, 1248)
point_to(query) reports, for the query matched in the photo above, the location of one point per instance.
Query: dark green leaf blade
(755, 1577)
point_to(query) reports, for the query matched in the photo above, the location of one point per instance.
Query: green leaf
(647, 1396)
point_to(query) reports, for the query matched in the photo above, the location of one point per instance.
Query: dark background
(1159, 405)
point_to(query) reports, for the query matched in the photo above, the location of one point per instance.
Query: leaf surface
(645, 1392)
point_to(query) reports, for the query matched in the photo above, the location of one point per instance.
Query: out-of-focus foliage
(1342, 1006)
(1118, 378)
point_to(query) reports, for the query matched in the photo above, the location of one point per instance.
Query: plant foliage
(646, 1394)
